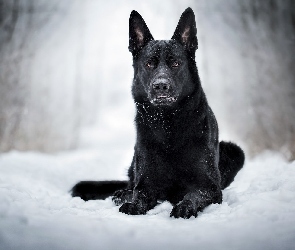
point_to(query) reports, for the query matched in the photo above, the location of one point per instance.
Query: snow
(37, 211)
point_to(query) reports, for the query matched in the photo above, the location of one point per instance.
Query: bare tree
(248, 63)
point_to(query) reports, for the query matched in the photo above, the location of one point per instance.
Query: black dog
(177, 156)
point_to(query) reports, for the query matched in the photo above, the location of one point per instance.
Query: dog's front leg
(122, 196)
(142, 202)
(194, 202)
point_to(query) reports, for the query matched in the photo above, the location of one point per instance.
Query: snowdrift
(37, 211)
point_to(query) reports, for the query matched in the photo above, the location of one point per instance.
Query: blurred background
(66, 72)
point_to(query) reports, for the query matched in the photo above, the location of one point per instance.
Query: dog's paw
(184, 209)
(131, 208)
(122, 196)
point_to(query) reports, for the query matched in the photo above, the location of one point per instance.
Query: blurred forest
(64, 66)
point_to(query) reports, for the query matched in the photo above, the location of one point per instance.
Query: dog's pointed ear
(139, 34)
(186, 31)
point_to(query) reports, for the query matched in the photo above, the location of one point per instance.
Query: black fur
(93, 190)
(177, 155)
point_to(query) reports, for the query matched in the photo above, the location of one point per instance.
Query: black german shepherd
(177, 155)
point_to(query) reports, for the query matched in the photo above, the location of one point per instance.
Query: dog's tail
(231, 160)
(97, 190)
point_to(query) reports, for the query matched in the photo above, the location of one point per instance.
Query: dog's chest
(161, 128)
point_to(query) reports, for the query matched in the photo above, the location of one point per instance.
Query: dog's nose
(161, 86)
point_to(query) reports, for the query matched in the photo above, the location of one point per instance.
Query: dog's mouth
(163, 100)
(162, 91)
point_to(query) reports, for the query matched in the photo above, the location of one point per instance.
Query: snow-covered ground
(37, 211)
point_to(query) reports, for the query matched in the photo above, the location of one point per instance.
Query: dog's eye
(175, 64)
(150, 64)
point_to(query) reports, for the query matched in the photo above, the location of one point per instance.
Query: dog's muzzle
(162, 92)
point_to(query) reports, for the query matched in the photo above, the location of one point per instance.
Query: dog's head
(162, 73)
